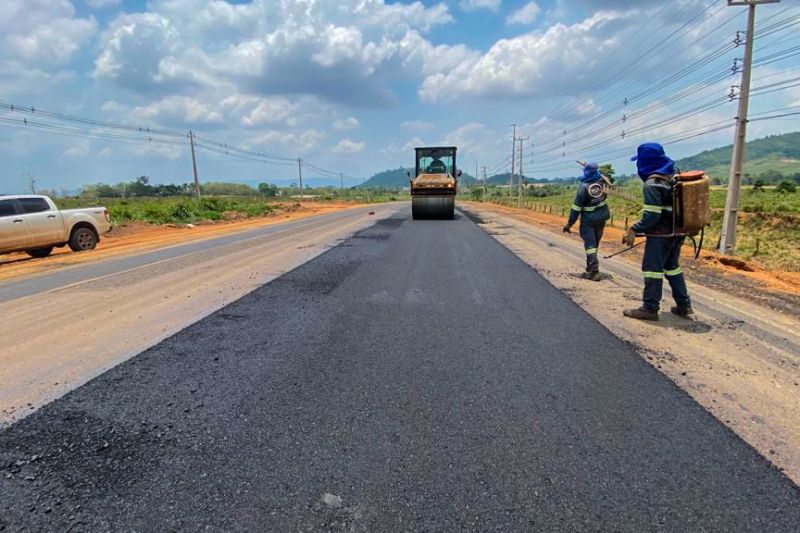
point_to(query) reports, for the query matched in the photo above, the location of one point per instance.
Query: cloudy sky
(352, 85)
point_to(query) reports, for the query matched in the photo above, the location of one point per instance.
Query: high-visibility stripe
(591, 251)
(653, 275)
(598, 206)
(591, 208)
(655, 208)
(674, 272)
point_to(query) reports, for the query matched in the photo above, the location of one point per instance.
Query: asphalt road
(16, 288)
(417, 377)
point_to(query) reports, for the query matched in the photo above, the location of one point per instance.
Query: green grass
(176, 210)
(183, 210)
(768, 220)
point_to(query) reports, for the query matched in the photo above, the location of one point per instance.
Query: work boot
(682, 310)
(592, 275)
(641, 314)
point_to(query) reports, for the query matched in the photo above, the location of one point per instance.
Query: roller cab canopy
(436, 160)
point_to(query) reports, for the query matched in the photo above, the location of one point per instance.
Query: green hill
(397, 178)
(503, 179)
(772, 158)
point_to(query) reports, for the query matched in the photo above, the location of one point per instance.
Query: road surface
(64, 327)
(417, 377)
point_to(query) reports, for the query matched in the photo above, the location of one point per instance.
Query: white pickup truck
(33, 224)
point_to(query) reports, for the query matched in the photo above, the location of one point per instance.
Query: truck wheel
(82, 239)
(40, 252)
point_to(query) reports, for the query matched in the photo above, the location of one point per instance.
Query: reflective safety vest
(590, 204)
(657, 210)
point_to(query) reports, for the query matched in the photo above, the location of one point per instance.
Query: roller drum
(433, 207)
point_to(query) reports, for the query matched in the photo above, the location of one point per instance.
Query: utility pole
(31, 183)
(519, 189)
(300, 173)
(513, 149)
(194, 167)
(341, 181)
(484, 183)
(727, 240)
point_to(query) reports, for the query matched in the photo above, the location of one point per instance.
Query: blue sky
(352, 85)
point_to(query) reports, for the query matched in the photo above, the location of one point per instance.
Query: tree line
(142, 187)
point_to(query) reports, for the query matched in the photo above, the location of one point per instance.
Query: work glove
(567, 228)
(629, 237)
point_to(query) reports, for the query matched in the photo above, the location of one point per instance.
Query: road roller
(433, 187)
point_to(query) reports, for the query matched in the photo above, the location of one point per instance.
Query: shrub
(786, 187)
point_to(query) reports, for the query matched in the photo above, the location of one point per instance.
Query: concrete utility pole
(519, 186)
(484, 183)
(341, 181)
(31, 183)
(513, 149)
(194, 167)
(300, 173)
(727, 240)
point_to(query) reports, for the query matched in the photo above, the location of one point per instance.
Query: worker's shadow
(689, 325)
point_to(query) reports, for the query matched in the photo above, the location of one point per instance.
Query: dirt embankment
(777, 289)
(134, 237)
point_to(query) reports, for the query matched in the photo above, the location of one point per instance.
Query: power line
(685, 28)
(91, 128)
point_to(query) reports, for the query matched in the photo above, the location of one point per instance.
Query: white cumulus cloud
(349, 123)
(269, 111)
(102, 4)
(176, 109)
(348, 146)
(290, 142)
(527, 14)
(547, 63)
(473, 5)
(343, 52)
(42, 32)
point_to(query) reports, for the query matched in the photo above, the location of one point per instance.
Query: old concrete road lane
(418, 377)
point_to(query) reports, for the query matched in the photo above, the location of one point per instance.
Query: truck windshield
(435, 162)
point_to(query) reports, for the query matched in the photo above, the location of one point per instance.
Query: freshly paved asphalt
(19, 288)
(418, 377)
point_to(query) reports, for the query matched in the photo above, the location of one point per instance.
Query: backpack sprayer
(691, 211)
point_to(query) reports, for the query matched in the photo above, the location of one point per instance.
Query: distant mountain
(775, 153)
(308, 181)
(397, 178)
(389, 179)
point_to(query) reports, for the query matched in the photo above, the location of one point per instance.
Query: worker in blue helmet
(662, 249)
(591, 205)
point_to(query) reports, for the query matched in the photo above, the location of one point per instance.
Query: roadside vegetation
(142, 201)
(769, 223)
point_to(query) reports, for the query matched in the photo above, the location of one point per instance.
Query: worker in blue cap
(591, 206)
(662, 249)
